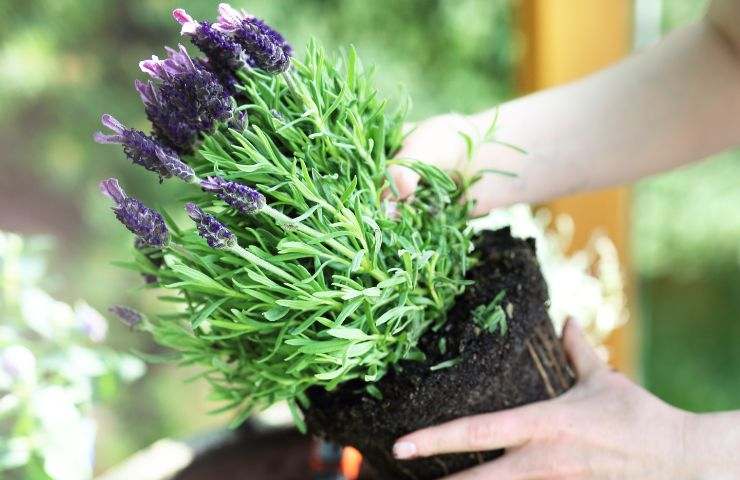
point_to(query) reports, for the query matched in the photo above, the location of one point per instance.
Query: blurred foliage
(53, 369)
(686, 241)
(687, 221)
(691, 331)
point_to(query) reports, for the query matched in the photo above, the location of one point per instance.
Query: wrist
(710, 443)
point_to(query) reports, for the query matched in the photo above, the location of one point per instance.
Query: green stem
(343, 249)
(251, 257)
(312, 107)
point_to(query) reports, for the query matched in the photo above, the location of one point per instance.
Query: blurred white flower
(19, 363)
(91, 322)
(48, 317)
(130, 368)
(15, 452)
(66, 438)
(47, 344)
(586, 285)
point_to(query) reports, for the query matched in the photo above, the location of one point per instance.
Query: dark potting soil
(494, 371)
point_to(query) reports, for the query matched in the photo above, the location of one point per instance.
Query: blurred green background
(64, 62)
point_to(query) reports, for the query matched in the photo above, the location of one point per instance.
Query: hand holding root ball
(606, 427)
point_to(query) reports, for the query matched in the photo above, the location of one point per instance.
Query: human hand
(440, 141)
(606, 427)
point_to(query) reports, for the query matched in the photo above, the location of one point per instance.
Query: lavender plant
(297, 271)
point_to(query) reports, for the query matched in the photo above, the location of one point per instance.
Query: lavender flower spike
(138, 147)
(241, 197)
(265, 47)
(130, 317)
(213, 231)
(174, 166)
(183, 100)
(141, 220)
(222, 52)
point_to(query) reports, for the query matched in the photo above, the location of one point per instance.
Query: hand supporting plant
(307, 276)
(606, 427)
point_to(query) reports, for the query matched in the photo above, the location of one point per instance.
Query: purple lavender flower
(137, 146)
(130, 317)
(213, 231)
(141, 220)
(265, 47)
(224, 55)
(174, 166)
(240, 197)
(184, 99)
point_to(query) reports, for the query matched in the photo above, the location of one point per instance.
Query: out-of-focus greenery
(687, 221)
(53, 367)
(686, 242)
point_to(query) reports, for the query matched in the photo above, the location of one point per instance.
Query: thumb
(582, 355)
(404, 179)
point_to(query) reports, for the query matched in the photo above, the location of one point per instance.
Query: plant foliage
(328, 280)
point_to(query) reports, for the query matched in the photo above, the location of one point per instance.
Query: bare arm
(675, 103)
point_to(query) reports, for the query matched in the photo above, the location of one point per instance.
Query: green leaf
(206, 312)
(275, 313)
(300, 424)
(348, 333)
(396, 312)
(357, 261)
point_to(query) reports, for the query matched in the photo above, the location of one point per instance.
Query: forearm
(675, 103)
(711, 443)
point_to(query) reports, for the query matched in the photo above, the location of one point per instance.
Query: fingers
(515, 465)
(405, 180)
(582, 355)
(480, 432)
(436, 141)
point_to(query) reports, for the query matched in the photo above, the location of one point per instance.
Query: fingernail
(572, 322)
(403, 450)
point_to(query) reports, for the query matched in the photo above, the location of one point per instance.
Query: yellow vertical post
(565, 40)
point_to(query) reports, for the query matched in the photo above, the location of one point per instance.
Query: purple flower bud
(213, 231)
(141, 220)
(147, 92)
(178, 62)
(139, 148)
(265, 47)
(173, 165)
(224, 54)
(184, 99)
(130, 317)
(240, 121)
(240, 197)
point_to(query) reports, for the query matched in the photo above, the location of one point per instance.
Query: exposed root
(540, 368)
(442, 464)
(555, 360)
